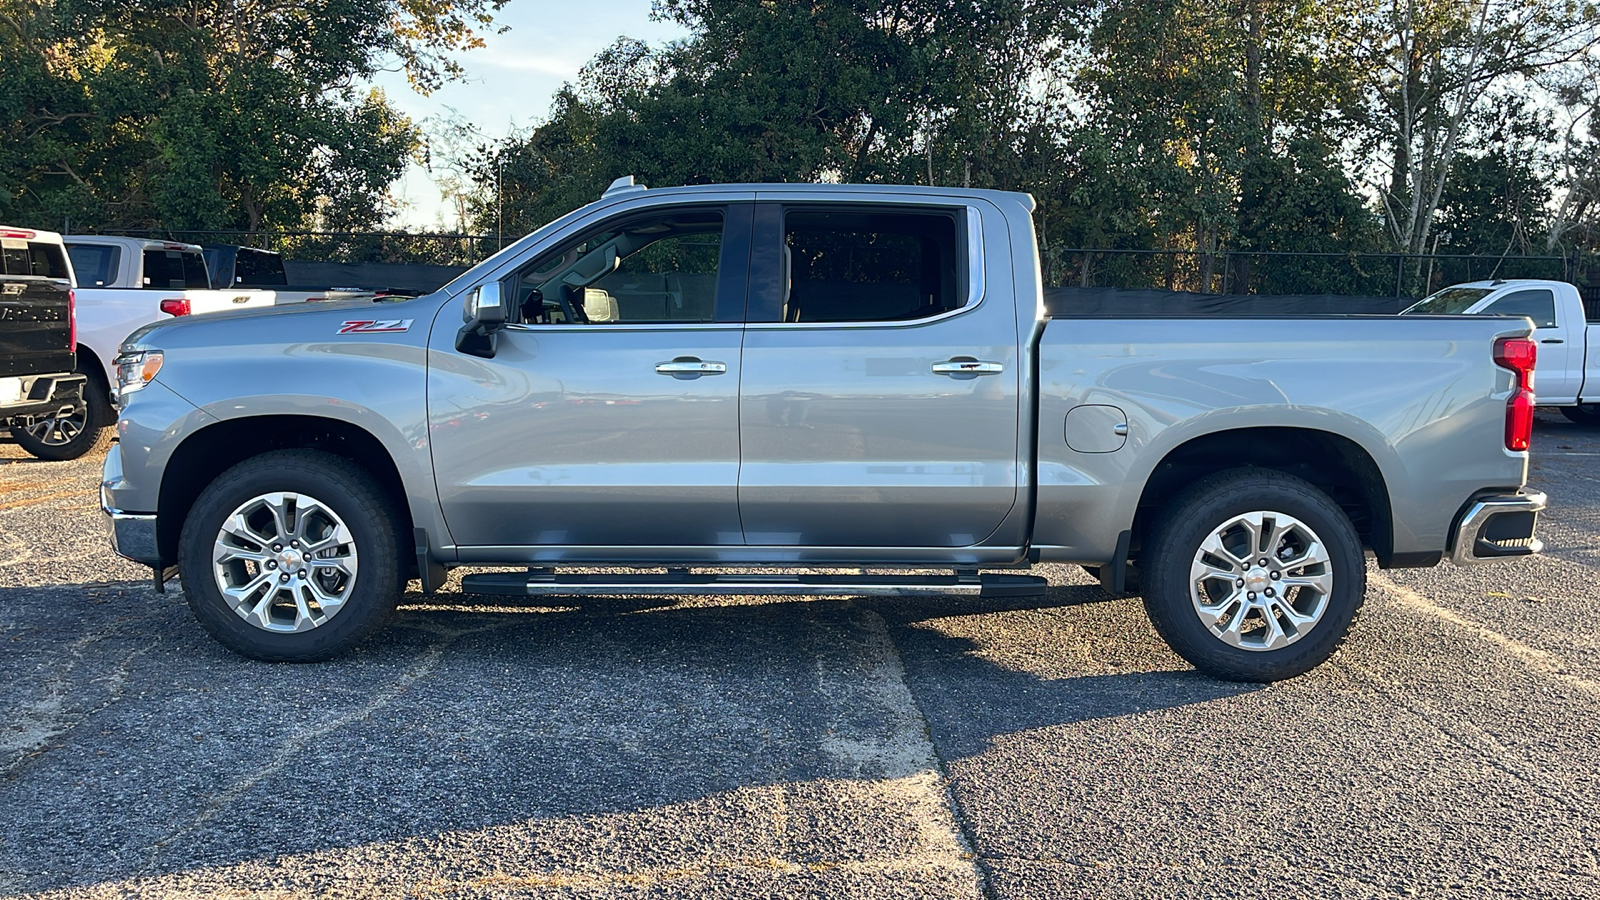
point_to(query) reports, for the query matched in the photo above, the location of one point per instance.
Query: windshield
(1452, 301)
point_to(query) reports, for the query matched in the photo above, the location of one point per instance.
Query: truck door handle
(1552, 341)
(690, 367)
(967, 366)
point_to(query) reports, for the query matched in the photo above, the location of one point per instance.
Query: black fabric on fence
(1079, 302)
(419, 277)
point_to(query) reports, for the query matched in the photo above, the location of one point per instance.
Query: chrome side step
(542, 583)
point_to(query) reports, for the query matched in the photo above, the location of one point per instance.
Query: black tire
(342, 487)
(1203, 510)
(1587, 414)
(88, 430)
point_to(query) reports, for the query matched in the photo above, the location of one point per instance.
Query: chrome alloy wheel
(58, 430)
(285, 562)
(1261, 581)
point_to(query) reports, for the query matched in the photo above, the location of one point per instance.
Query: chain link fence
(430, 248)
(1238, 272)
(1400, 275)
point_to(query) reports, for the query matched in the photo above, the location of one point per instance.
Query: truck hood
(320, 319)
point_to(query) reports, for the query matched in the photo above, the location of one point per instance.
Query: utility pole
(499, 201)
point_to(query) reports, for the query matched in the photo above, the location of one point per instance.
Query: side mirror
(485, 314)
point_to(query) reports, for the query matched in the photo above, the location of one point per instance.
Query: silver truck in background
(762, 377)
(1569, 373)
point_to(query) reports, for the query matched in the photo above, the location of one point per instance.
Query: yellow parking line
(1541, 662)
(29, 501)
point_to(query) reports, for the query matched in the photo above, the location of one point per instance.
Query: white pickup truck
(1568, 375)
(124, 284)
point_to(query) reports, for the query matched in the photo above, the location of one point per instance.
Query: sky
(510, 82)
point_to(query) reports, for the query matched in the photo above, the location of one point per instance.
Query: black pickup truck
(41, 400)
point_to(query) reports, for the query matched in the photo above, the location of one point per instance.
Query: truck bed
(1419, 396)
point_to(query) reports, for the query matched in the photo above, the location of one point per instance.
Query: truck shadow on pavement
(144, 749)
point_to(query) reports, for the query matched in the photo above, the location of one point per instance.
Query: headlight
(135, 369)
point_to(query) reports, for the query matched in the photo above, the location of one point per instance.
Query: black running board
(545, 583)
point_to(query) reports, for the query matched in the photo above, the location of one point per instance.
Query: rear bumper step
(48, 396)
(541, 584)
(1498, 527)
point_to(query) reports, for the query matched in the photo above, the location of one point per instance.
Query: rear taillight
(72, 321)
(176, 307)
(1518, 355)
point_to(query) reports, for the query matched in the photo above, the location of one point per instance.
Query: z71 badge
(373, 326)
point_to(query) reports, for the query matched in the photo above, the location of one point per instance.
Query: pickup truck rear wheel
(1254, 575)
(1582, 414)
(87, 429)
(292, 556)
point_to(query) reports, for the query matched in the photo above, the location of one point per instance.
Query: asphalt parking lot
(739, 746)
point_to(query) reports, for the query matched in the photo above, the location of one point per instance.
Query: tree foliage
(1224, 130)
(197, 114)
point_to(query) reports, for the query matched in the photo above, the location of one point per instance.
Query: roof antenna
(623, 185)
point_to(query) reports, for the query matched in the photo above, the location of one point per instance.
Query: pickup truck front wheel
(1254, 575)
(291, 556)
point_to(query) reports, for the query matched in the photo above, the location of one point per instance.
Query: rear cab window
(37, 259)
(95, 264)
(174, 269)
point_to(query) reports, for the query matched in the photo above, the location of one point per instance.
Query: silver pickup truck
(809, 390)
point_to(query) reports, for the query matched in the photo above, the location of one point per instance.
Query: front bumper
(132, 535)
(1497, 526)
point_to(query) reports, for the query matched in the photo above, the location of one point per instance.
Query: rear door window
(1538, 305)
(869, 266)
(95, 265)
(174, 269)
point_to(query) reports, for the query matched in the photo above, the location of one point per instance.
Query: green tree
(214, 113)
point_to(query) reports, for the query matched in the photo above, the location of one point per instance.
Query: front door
(608, 415)
(880, 390)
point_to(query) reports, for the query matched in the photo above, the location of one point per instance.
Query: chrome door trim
(957, 367)
(623, 326)
(695, 367)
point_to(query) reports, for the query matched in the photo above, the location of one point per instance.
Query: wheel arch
(1337, 465)
(210, 451)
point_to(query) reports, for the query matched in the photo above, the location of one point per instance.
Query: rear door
(35, 307)
(879, 401)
